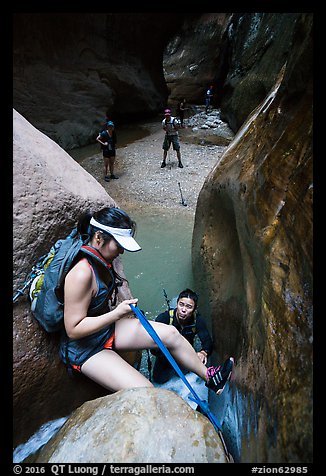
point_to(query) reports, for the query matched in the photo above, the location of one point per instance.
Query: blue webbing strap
(151, 331)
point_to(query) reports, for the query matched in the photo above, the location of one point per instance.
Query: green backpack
(46, 280)
(46, 290)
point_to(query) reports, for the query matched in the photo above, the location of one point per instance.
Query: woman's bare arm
(80, 286)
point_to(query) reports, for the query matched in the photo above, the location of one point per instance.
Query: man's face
(185, 309)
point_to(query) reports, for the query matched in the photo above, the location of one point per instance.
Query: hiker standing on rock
(181, 111)
(108, 140)
(208, 98)
(96, 329)
(171, 125)
(186, 319)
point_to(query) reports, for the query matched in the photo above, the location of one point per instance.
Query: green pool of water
(164, 261)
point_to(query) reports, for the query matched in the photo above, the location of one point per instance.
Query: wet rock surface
(196, 55)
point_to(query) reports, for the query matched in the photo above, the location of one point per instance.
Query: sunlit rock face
(69, 69)
(252, 253)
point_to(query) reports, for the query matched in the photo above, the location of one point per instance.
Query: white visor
(122, 235)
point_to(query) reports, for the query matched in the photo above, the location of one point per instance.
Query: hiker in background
(96, 329)
(208, 98)
(171, 125)
(106, 120)
(181, 107)
(186, 319)
(108, 140)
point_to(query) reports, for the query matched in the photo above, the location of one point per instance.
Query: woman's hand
(202, 356)
(123, 309)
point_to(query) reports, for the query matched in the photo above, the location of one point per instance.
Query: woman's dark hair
(188, 293)
(111, 216)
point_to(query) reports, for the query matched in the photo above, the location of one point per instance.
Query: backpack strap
(171, 314)
(172, 122)
(89, 250)
(116, 280)
(194, 328)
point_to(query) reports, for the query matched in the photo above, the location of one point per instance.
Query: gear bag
(46, 290)
(46, 281)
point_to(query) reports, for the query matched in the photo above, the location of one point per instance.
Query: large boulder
(50, 191)
(140, 425)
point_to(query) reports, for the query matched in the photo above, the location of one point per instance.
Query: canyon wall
(252, 244)
(239, 54)
(252, 253)
(69, 69)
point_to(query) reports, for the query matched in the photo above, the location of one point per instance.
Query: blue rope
(151, 331)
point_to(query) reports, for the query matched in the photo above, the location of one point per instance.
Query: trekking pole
(166, 298)
(182, 200)
(20, 292)
(169, 159)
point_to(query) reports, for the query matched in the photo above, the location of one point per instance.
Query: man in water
(190, 324)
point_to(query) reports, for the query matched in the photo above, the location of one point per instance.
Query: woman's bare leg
(111, 165)
(106, 165)
(131, 335)
(108, 369)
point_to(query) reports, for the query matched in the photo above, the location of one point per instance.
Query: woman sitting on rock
(95, 330)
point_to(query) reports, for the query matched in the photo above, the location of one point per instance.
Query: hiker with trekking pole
(171, 125)
(208, 98)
